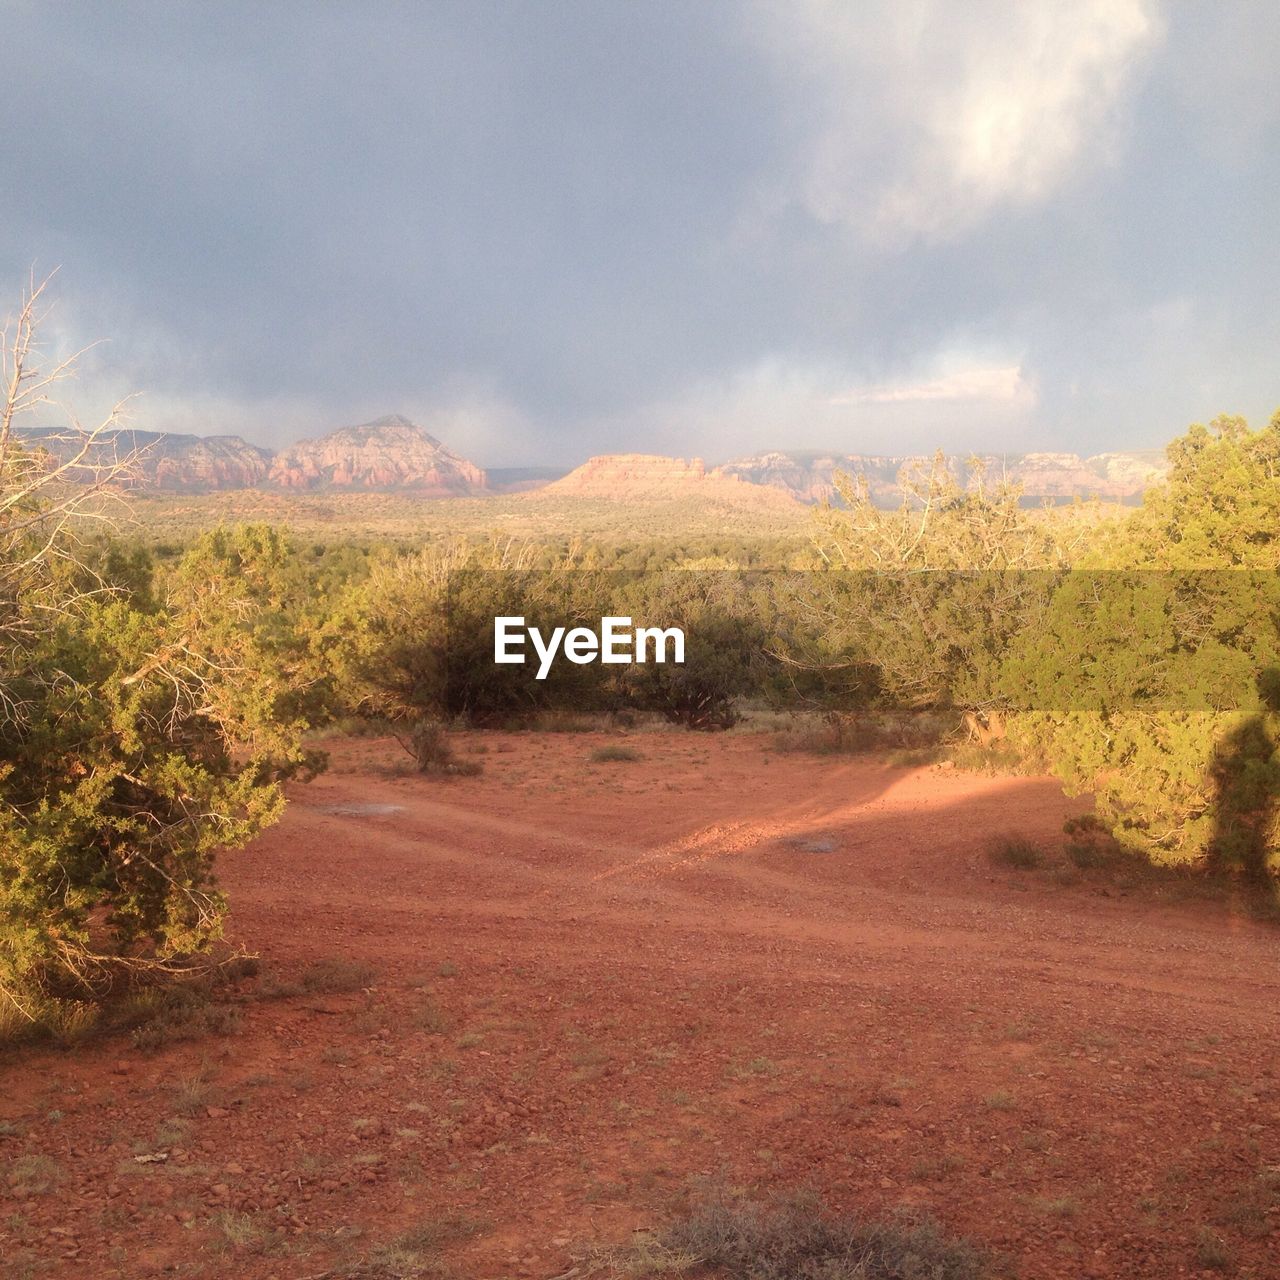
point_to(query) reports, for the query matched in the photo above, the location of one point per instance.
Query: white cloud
(927, 115)
(781, 403)
(997, 386)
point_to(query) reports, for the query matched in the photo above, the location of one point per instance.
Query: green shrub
(147, 743)
(145, 723)
(926, 598)
(1156, 686)
(723, 651)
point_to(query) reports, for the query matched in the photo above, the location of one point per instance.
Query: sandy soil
(596, 983)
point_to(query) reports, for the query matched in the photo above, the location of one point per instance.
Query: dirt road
(590, 985)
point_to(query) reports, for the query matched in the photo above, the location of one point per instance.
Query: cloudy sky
(576, 226)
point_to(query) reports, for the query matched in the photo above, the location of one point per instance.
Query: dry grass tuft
(614, 754)
(1014, 851)
(794, 1239)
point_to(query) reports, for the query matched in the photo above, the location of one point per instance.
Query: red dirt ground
(596, 983)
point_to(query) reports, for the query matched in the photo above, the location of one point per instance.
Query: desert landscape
(504, 1023)
(640, 641)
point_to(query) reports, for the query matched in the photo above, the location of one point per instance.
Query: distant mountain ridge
(165, 460)
(810, 477)
(390, 453)
(646, 476)
(393, 454)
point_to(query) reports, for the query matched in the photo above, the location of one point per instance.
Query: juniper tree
(1150, 679)
(139, 734)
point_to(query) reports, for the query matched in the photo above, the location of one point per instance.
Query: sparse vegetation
(614, 754)
(181, 1012)
(34, 1175)
(1211, 1251)
(429, 1017)
(239, 1232)
(795, 1237)
(1014, 851)
(432, 752)
(416, 1252)
(754, 1068)
(336, 976)
(191, 1094)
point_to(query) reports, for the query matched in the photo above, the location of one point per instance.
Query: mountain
(164, 460)
(810, 477)
(635, 476)
(389, 453)
(392, 453)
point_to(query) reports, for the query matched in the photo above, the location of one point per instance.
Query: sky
(554, 229)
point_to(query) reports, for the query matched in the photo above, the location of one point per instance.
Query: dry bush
(416, 1252)
(1014, 851)
(152, 1012)
(336, 976)
(795, 1239)
(432, 752)
(558, 720)
(34, 1175)
(844, 733)
(183, 1012)
(614, 754)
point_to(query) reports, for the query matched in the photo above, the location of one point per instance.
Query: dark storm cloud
(563, 228)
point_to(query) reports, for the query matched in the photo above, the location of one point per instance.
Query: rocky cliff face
(163, 460)
(391, 453)
(811, 477)
(205, 462)
(652, 477)
(1130, 473)
(608, 473)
